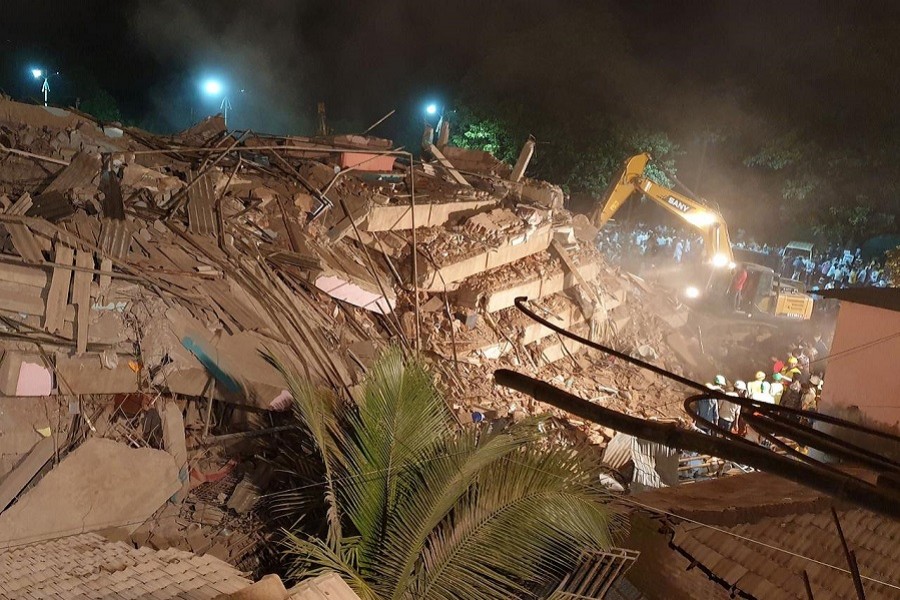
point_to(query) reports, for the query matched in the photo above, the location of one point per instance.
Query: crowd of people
(650, 242)
(834, 268)
(795, 382)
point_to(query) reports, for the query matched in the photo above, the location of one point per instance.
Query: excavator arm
(716, 242)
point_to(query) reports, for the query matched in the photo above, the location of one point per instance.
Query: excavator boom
(706, 219)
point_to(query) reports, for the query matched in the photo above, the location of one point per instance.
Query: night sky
(683, 67)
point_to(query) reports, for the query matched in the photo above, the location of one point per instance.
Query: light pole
(45, 75)
(213, 88)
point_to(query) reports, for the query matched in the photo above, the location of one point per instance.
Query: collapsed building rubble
(149, 284)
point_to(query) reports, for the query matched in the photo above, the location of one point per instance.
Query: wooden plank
(25, 242)
(25, 471)
(21, 299)
(21, 206)
(32, 276)
(81, 298)
(221, 294)
(115, 238)
(105, 280)
(457, 177)
(201, 202)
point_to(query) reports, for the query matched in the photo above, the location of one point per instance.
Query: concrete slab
(539, 287)
(24, 374)
(513, 249)
(87, 375)
(395, 217)
(343, 288)
(100, 485)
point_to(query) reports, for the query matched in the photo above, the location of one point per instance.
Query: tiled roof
(786, 517)
(89, 567)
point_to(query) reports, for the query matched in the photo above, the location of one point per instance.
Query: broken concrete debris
(148, 286)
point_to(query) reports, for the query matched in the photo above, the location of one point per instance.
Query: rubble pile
(148, 284)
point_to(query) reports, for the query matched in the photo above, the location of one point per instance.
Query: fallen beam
(456, 175)
(25, 471)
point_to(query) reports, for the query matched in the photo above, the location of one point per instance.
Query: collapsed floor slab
(513, 249)
(394, 217)
(100, 485)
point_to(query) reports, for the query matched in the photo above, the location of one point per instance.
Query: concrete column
(444, 134)
(524, 158)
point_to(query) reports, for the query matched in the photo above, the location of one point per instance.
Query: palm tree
(416, 508)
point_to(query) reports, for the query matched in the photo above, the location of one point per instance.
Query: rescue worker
(736, 290)
(708, 408)
(759, 385)
(776, 388)
(728, 412)
(791, 371)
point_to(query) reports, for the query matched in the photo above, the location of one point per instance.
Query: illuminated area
(701, 218)
(720, 260)
(212, 87)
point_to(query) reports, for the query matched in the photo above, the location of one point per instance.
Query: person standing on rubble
(792, 398)
(776, 388)
(729, 411)
(759, 385)
(791, 371)
(708, 408)
(736, 290)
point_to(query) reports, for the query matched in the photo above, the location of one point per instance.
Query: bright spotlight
(701, 218)
(212, 87)
(692, 292)
(37, 73)
(431, 109)
(720, 260)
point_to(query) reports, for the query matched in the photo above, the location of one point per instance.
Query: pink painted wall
(864, 365)
(364, 161)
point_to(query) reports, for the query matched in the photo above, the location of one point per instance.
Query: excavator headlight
(691, 292)
(701, 218)
(720, 260)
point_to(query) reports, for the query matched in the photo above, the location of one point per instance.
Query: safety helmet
(792, 361)
(740, 385)
(760, 376)
(777, 377)
(720, 380)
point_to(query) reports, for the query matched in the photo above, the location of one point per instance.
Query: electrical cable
(881, 497)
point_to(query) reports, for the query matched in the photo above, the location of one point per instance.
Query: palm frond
(309, 558)
(523, 526)
(316, 411)
(400, 418)
(439, 484)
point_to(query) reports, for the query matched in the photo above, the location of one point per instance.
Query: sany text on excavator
(762, 293)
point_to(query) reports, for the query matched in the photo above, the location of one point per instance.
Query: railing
(597, 573)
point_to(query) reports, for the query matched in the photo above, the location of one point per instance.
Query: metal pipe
(835, 484)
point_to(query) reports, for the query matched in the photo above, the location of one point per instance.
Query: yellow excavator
(764, 294)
